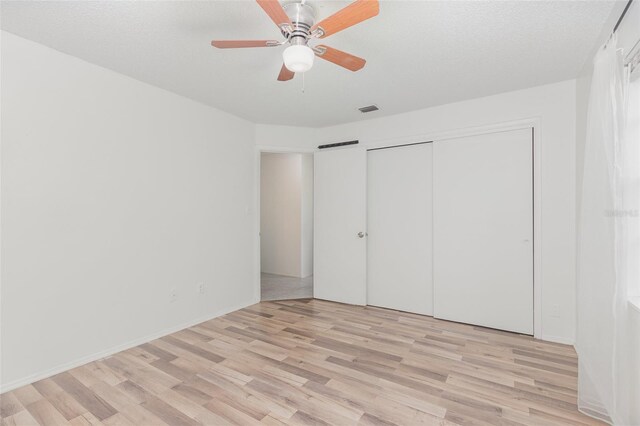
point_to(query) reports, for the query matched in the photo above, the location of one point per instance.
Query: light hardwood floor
(314, 362)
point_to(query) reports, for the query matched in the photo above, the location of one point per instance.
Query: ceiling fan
(297, 22)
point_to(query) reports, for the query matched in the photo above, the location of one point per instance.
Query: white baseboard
(6, 387)
(556, 339)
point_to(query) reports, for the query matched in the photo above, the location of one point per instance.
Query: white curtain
(627, 344)
(608, 255)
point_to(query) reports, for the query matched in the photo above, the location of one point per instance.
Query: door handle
(360, 234)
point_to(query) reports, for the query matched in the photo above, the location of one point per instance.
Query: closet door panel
(340, 215)
(483, 230)
(399, 246)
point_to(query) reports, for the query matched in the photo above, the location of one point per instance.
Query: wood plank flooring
(314, 362)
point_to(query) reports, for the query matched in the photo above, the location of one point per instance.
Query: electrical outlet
(173, 295)
(200, 288)
(555, 311)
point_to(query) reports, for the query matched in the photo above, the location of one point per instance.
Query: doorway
(286, 226)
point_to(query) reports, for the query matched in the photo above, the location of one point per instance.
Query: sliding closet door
(399, 248)
(340, 203)
(483, 230)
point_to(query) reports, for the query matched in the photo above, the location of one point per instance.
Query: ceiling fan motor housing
(302, 17)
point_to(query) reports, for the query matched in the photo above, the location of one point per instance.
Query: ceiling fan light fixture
(298, 58)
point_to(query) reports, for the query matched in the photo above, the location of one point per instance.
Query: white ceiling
(419, 53)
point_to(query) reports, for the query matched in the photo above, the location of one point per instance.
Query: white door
(483, 230)
(399, 245)
(340, 203)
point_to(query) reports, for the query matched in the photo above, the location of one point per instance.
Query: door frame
(257, 156)
(533, 123)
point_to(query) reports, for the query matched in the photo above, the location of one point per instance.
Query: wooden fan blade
(233, 44)
(285, 74)
(274, 9)
(338, 57)
(356, 12)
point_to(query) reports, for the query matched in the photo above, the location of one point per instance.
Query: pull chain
(303, 82)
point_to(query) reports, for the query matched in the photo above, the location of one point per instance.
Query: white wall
(285, 138)
(554, 106)
(113, 193)
(629, 369)
(281, 214)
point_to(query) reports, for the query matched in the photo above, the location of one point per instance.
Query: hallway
(280, 287)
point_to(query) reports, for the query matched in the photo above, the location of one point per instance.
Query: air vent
(334, 145)
(369, 108)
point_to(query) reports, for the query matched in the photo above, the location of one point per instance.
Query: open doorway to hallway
(286, 226)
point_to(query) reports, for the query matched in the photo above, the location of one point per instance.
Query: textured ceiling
(419, 53)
